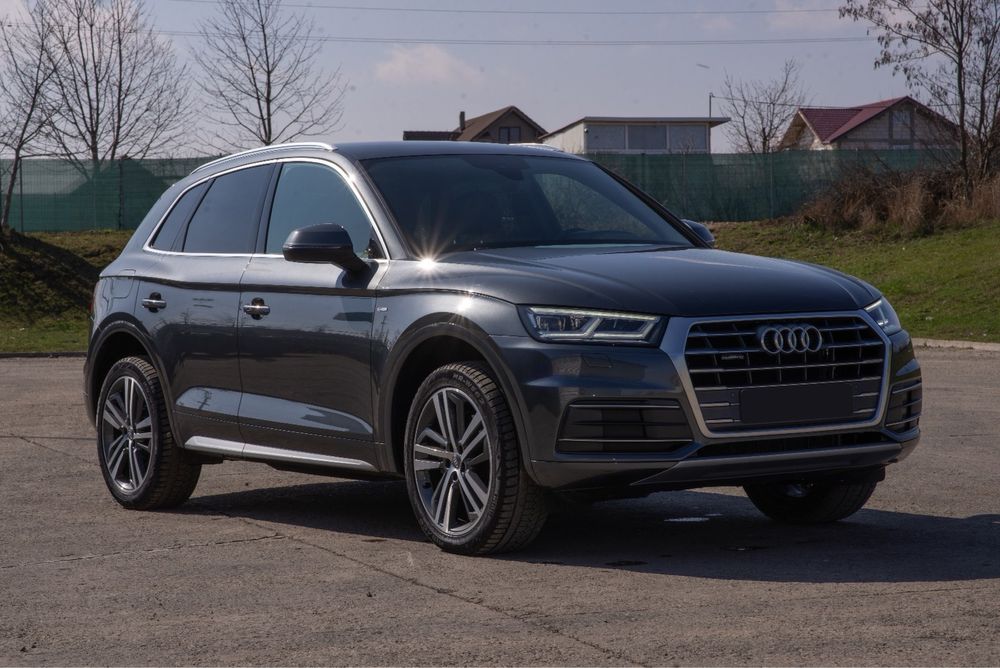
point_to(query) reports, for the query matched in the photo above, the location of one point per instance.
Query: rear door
(305, 358)
(189, 303)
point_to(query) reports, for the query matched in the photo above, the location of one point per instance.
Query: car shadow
(696, 534)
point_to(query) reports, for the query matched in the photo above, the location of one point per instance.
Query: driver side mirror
(323, 244)
(701, 231)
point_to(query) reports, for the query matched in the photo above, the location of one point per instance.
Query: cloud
(423, 64)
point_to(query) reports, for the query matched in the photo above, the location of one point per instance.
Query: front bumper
(550, 378)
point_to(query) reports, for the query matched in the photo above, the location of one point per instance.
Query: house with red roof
(899, 123)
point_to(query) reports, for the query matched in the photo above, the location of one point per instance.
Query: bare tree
(117, 89)
(950, 50)
(761, 110)
(25, 70)
(261, 79)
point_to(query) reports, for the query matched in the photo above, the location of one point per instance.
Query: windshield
(447, 203)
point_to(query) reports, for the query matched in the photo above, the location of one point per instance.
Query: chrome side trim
(795, 455)
(675, 340)
(262, 150)
(348, 178)
(236, 450)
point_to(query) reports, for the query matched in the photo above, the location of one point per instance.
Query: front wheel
(810, 503)
(464, 476)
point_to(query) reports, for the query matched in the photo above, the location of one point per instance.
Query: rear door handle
(154, 302)
(256, 309)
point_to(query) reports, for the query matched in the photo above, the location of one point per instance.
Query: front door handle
(256, 309)
(154, 302)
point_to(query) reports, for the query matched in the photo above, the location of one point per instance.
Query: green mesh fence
(738, 187)
(53, 195)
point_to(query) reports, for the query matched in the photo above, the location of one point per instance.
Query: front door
(305, 329)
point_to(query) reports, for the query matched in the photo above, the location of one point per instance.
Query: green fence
(740, 187)
(53, 195)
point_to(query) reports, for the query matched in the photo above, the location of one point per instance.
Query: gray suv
(495, 324)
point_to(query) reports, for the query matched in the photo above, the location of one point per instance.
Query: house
(622, 134)
(509, 125)
(899, 123)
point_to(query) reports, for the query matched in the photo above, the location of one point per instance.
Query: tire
(143, 467)
(811, 503)
(469, 491)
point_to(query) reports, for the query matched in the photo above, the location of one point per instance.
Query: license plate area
(797, 404)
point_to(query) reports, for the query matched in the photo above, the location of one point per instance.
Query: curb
(959, 345)
(11, 356)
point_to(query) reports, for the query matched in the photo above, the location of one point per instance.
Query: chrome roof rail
(263, 150)
(548, 147)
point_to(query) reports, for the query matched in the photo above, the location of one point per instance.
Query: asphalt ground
(264, 567)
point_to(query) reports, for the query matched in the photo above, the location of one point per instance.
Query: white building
(621, 134)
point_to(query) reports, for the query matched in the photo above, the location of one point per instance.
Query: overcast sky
(423, 86)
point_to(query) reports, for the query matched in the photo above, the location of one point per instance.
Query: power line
(372, 39)
(546, 12)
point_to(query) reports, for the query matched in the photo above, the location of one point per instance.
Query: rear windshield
(447, 203)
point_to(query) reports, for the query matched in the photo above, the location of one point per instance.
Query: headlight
(568, 324)
(883, 314)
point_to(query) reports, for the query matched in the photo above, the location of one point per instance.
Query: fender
(122, 323)
(446, 324)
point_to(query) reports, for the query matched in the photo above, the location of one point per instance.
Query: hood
(681, 282)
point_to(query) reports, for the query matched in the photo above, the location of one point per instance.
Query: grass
(944, 286)
(46, 284)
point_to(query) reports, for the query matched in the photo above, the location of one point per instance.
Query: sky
(423, 86)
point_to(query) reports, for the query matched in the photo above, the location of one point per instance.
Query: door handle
(154, 302)
(256, 309)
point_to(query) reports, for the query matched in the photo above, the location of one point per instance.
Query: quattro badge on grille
(776, 339)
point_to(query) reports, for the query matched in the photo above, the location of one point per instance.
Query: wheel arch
(428, 345)
(116, 341)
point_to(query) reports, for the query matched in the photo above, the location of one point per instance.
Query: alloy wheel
(453, 461)
(126, 434)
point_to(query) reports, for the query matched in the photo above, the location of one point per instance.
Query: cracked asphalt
(265, 567)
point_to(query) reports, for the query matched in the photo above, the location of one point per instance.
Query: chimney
(461, 121)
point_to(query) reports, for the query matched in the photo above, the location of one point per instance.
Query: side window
(226, 220)
(312, 194)
(169, 235)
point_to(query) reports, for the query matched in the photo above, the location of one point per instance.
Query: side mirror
(701, 231)
(323, 244)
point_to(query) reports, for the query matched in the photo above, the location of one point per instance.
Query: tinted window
(461, 202)
(311, 194)
(647, 137)
(605, 137)
(226, 221)
(168, 236)
(685, 138)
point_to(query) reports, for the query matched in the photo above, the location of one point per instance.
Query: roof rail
(548, 147)
(315, 145)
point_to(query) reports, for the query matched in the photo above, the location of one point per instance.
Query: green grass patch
(944, 286)
(46, 284)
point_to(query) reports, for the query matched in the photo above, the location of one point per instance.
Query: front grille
(764, 447)
(624, 426)
(724, 358)
(905, 403)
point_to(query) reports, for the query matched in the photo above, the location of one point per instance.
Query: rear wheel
(142, 466)
(464, 475)
(810, 503)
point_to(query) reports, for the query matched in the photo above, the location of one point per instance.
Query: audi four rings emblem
(791, 339)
